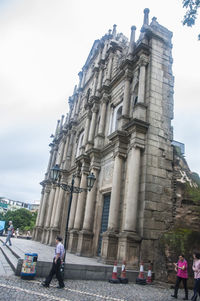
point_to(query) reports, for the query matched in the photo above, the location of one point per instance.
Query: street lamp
(55, 177)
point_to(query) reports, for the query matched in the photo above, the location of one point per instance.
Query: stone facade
(119, 128)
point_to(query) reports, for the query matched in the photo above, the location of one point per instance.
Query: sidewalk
(45, 252)
(76, 267)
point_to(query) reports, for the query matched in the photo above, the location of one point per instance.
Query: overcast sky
(43, 46)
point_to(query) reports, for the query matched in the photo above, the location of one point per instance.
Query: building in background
(119, 128)
(7, 204)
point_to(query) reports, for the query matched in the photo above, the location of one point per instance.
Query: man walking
(9, 235)
(59, 253)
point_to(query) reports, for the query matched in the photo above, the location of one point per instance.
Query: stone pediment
(92, 53)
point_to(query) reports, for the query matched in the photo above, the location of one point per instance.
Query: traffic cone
(141, 273)
(149, 275)
(114, 278)
(123, 278)
(141, 279)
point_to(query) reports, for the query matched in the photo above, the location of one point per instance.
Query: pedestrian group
(181, 267)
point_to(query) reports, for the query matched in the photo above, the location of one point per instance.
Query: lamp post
(55, 176)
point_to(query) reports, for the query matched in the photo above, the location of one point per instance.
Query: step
(5, 269)
(10, 257)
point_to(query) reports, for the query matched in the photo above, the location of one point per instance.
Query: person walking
(57, 260)
(9, 235)
(182, 275)
(196, 270)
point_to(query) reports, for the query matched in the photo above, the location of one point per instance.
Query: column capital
(128, 74)
(143, 60)
(119, 154)
(89, 114)
(105, 98)
(95, 108)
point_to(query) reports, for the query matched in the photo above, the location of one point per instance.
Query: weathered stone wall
(183, 237)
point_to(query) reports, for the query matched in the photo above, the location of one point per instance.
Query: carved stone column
(69, 151)
(103, 115)
(59, 207)
(87, 127)
(94, 83)
(141, 89)
(132, 42)
(42, 215)
(80, 210)
(100, 78)
(85, 238)
(50, 161)
(113, 221)
(49, 213)
(43, 206)
(81, 203)
(109, 70)
(53, 231)
(129, 240)
(132, 190)
(64, 158)
(110, 239)
(93, 124)
(60, 153)
(37, 230)
(126, 99)
(73, 235)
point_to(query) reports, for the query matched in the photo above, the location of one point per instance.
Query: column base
(85, 240)
(124, 119)
(139, 111)
(129, 249)
(109, 247)
(72, 241)
(53, 233)
(89, 145)
(45, 236)
(33, 234)
(44, 233)
(99, 141)
(38, 233)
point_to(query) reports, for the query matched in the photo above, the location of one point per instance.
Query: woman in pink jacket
(182, 275)
(196, 269)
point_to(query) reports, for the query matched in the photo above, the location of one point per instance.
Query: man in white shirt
(57, 260)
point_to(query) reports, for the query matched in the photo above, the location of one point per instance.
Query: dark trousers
(196, 289)
(178, 281)
(55, 270)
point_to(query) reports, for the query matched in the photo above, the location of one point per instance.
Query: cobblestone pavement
(15, 289)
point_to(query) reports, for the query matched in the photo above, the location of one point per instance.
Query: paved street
(15, 289)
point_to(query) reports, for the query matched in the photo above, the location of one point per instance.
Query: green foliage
(195, 177)
(192, 193)
(21, 218)
(190, 16)
(1, 216)
(180, 241)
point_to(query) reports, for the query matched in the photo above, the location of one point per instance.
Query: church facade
(119, 128)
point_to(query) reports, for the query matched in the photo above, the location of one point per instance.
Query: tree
(190, 16)
(21, 218)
